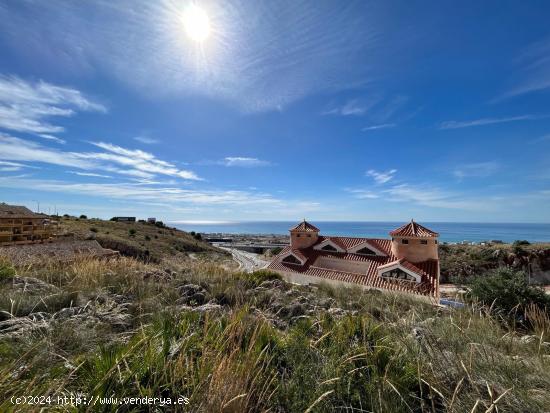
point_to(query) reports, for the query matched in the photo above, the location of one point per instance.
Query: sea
(451, 232)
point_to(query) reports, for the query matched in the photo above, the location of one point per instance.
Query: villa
(407, 263)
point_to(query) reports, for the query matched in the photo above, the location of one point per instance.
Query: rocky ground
(47, 307)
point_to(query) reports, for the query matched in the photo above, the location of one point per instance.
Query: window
(329, 247)
(404, 241)
(291, 259)
(424, 242)
(309, 235)
(366, 251)
(398, 274)
(436, 242)
(297, 235)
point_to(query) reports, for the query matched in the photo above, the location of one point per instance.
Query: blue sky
(327, 110)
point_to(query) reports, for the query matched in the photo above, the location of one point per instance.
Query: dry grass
(390, 353)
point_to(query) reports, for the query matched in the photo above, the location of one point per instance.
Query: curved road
(248, 261)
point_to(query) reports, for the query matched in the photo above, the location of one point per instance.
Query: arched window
(329, 247)
(291, 259)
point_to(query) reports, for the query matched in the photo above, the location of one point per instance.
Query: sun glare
(196, 23)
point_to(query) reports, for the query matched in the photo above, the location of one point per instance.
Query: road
(248, 261)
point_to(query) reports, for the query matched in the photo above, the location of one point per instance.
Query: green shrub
(507, 292)
(6, 270)
(132, 232)
(83, 217)
(257, 277)
(93, 229)
(147, 238)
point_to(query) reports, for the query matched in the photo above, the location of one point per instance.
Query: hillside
(141, 240)
(460, 262)
(234, 342)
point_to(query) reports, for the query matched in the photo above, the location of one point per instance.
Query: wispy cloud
(382, 126)
(363, 193)
(137, 160)
(11, 166)
(243, 161)
(116, 159)
(453, 124)
(432, 197)
(128, 191)
(389, 108)
(353, 107)
(16, 149)
(90, 174)
(52, 138)
(146, 140)
(248, 60)
(544, 138)
(26, 106)
(533, 72)
(381, 177)
(478, 170)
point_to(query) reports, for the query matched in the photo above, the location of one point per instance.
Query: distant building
(408, 262)
(124, 219)
(151, 220)
(19, 225)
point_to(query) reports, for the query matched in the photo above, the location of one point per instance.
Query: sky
(258, 110)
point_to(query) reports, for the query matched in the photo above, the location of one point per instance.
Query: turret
(414, 242)
(303, 235)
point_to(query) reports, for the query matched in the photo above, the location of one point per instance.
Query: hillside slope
(137, 239)
(464, 261)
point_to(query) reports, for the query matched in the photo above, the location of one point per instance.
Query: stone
(33, 286)
(65, 313)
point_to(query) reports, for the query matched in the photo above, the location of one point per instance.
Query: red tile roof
(427, 270)
(413, 229)
(305, 226)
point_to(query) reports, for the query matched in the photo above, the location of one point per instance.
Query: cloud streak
(114, 158)
(381, 126)
(248, 59)
(476, 170)
(381, 177)
(453, 124)
(533, 74)
(26, 106)
(243, 161)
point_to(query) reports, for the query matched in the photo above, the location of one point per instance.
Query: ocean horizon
(449, 231)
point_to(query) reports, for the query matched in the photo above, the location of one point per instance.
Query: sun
(196, 23)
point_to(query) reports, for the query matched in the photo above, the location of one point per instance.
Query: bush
(507, 291)
(147, 238)
(258, 277)
(521, 242)
(93, 229)
(6, 270)
(132, 232)
(83, 217)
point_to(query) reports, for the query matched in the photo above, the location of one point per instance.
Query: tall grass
(388, 353)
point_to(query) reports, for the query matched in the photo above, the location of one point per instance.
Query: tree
(83, 216)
